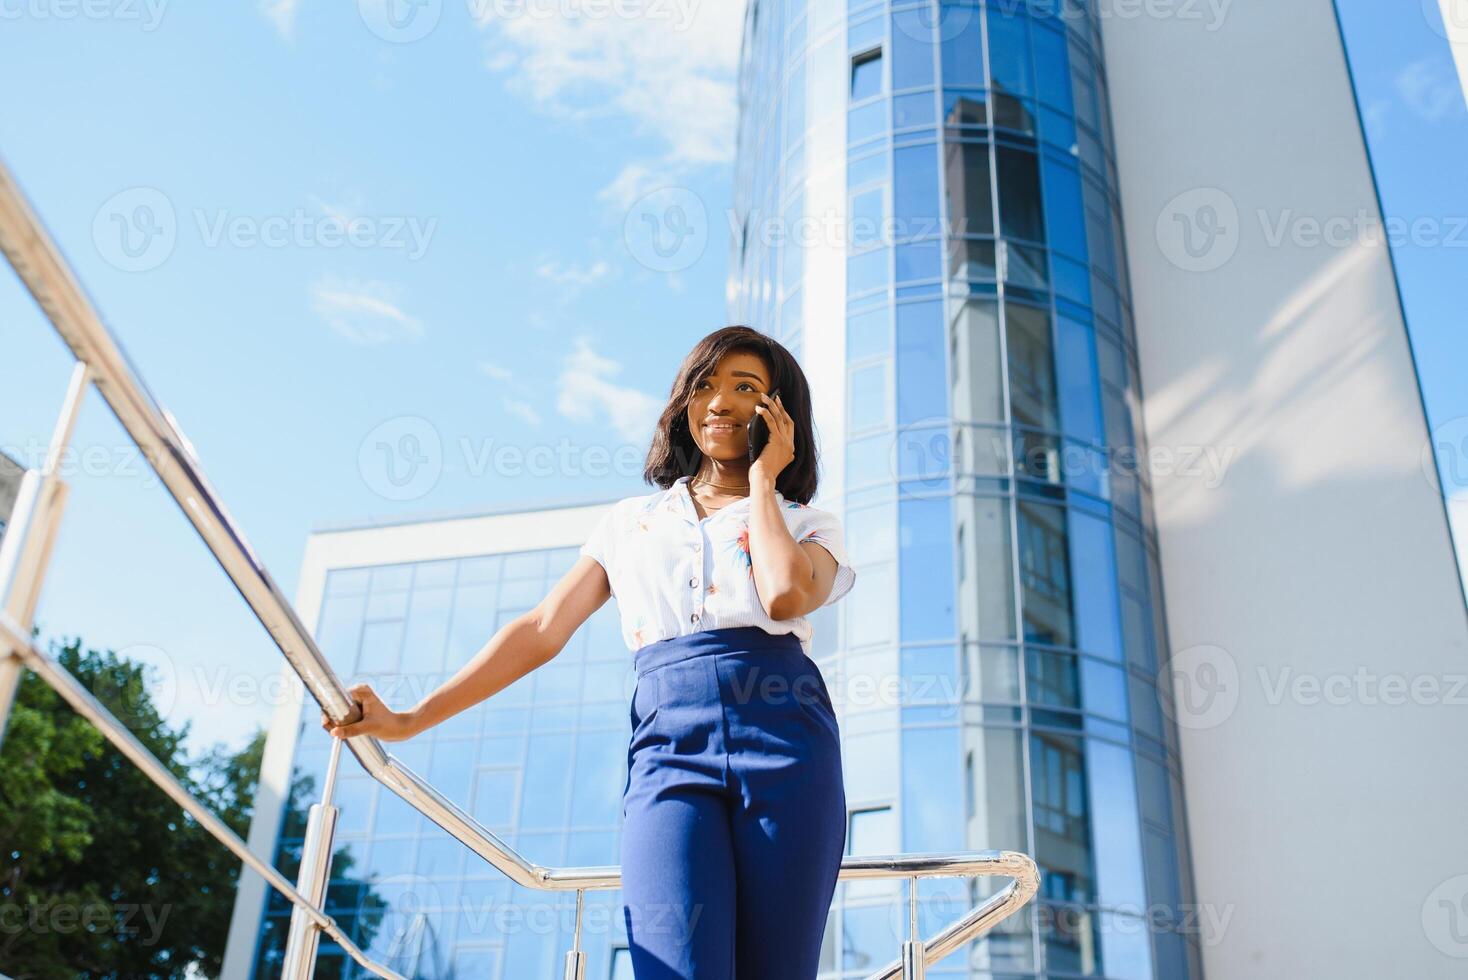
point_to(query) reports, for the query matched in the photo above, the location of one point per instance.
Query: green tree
(101, 873)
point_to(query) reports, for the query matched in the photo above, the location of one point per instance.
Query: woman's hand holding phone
(771, 439)
(371, 717)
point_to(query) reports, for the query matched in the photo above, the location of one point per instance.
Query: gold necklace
(710, 483)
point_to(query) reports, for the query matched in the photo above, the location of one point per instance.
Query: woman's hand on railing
(371, 717)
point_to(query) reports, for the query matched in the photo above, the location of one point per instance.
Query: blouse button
(693, 582)
(693, 618)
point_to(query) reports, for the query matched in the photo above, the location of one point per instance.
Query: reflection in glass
(1031, 367)
(1062, 817)
(986, 593)
(1045, 573)
(978, 385)
(1020, 213)
(970, 197)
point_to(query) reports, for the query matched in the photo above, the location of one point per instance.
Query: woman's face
(728, 397)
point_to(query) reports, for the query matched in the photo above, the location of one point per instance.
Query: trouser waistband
(706, 642)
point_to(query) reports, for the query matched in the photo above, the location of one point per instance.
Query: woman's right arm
(521, 645)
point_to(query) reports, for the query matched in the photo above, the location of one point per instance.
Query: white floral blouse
(673, 573)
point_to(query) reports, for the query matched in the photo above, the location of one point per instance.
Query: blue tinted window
(1075, 365)
(922, 391)
(912, 49)
(1065, 210)
(867, 211)
(795, 106)
(1097, 609)
(866, 122)
(932, 799)
(867, 271)
(866, 169)
(1020, 214)
(1118, 841)
(926, 556)
(970, 197)
(1009, 51)
(912, 110)
(963, 47)
(866, 75)
(868, 333)
(1045, 573)
(868, 396)
(915, 193)
(919, 260)
(864, 34)
(1052, 69)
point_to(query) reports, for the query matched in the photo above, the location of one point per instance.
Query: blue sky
(501, 287)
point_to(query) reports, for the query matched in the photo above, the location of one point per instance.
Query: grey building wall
(1309, 568)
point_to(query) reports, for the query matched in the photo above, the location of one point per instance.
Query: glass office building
(541, 765)
(927, 197)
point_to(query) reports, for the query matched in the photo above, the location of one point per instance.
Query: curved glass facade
(541, 765)
(988, 438)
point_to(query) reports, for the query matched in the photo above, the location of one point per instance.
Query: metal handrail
(39, 264)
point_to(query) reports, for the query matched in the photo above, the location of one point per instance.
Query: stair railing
(26, 548)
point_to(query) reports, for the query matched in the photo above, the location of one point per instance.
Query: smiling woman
(734, 771)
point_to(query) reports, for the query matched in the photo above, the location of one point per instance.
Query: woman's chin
(729, 455)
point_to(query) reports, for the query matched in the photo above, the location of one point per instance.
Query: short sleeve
(825, 529)
(600, 545)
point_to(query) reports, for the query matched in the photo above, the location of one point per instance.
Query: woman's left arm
(791, 579)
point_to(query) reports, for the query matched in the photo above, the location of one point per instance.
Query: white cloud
(586, 393)
(575, 276)
(281, 14)
(633, 182)
(363, 312)
(669, 69)
(523, 409)
(1430, 89)
(493, 370)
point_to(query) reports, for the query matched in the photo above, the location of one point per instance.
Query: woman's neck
(723, 479)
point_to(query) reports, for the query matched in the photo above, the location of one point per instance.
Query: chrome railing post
(30, 535)
(914, 962)
(576, 956)
(305, 936)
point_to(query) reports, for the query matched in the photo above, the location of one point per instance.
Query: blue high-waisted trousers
(734, 809)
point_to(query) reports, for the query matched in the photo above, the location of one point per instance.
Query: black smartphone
(759, 432)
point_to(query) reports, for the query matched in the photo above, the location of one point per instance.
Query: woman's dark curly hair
(674, 452)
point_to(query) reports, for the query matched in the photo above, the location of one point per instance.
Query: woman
(734, 810)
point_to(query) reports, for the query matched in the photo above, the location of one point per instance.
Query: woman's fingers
(364, 703)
